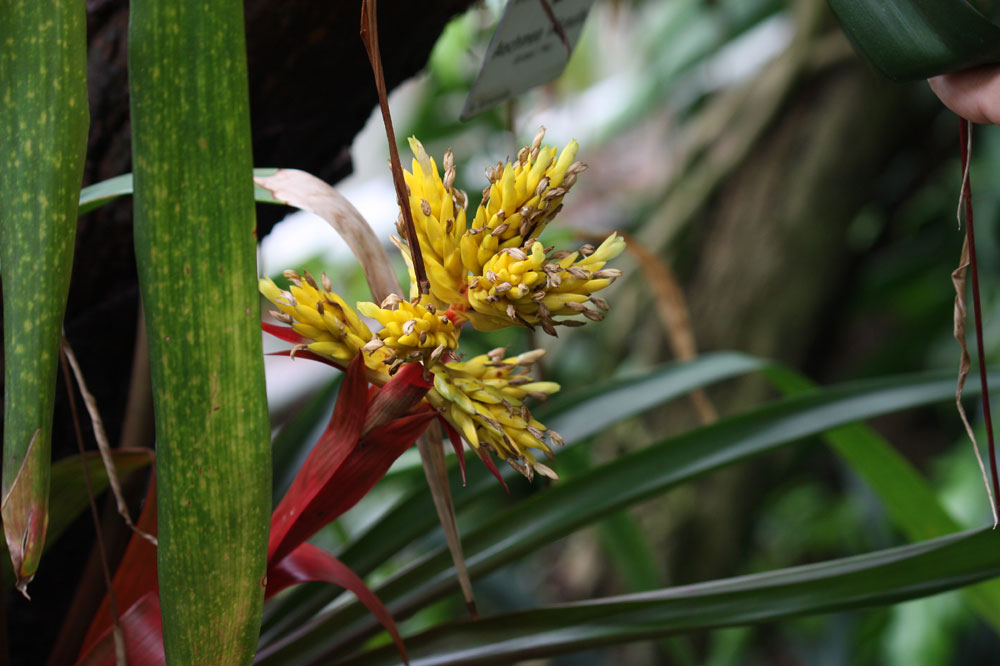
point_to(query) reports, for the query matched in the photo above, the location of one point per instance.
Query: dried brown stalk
(369, 34)
(307, 192)
(116, 628)
(967, 262)
(103, 445)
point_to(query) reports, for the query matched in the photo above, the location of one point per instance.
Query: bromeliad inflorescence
(490, 274)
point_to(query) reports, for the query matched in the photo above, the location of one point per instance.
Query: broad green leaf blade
(44, 119)
(878, 578)
(195, 249)
(569, 505)
(576, 416)
(909, 500)
(917, 39)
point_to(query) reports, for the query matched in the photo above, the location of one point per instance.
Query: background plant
(862, 291)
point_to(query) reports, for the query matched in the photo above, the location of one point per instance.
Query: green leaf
(44, 119)
(569, 505)
(195, 242)
(580, 414)
(878, 578)
(917, 39)
(106, 191)
(909, 500)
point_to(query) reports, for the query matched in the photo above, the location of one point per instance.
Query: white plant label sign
(526, 51)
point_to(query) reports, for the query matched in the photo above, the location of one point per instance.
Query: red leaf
(309, 563)
(369, 462)
(286, 333)
(456, 443)
(402, 392)
(302, 510)
(492, 466)
(143, 633)
(135, 576)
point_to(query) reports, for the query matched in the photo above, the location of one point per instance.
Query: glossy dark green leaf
(878, 578)
(640, 475)
(908, 499)
(917, 39)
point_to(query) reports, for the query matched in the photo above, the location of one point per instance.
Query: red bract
(137, 597)
(355, 451)
(286, 333)
(309, 563)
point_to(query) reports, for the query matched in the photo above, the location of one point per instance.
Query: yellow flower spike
(439, 218)
(317, 313)
(492, 272)
(482, 399)
(527, 287)
(558, 172)
(521, 198)
(412, 327)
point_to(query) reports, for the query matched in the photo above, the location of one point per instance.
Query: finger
(973, 94)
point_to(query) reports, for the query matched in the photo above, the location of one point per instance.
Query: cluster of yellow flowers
(492, 274)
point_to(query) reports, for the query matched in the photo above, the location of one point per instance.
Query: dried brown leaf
(431, 447)
(958, 279)
(307, 192)
(671, 306)
(24, 519)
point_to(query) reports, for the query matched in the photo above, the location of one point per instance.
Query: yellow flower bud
(526, 287)
(521, 199)
(412, 327)
(483, 399)
(317, 313)
(439, 219)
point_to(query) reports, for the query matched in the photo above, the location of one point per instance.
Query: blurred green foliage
(665, 63)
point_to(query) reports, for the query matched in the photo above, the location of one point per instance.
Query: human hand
(973, 94)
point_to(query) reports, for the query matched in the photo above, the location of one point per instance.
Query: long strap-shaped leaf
(882, 577)
(916, 39)
(43, 121)
(908, 499)
(579, 501)
(195, 250)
